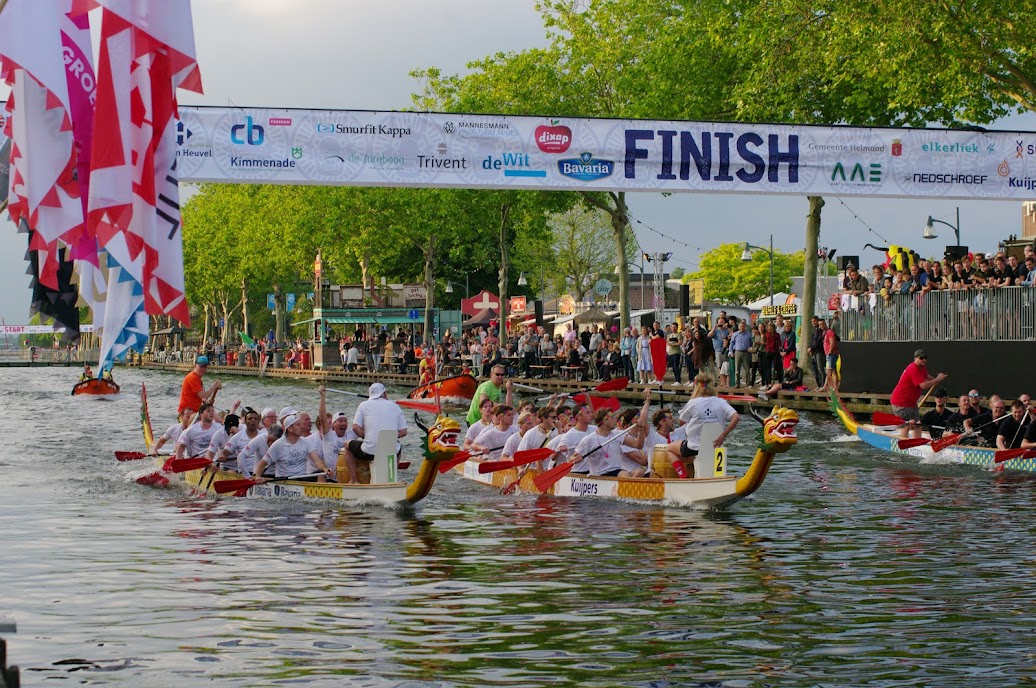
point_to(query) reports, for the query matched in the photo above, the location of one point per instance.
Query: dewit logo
(254, 136)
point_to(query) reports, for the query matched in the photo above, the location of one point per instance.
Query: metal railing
(985, 314)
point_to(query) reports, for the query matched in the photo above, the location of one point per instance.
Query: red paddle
(225, 486)
(544, 481)
(174, 465)
(130, 455)
(951, 439)
(1008, 454)
(458, 458)
(596, 403)
(520, 459)
(879, 418)
(912, 442)
(613, 385)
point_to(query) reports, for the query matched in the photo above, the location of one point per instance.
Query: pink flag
(146, 53)
(44, 191)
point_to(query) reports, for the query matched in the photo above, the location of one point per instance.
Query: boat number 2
(721, 460)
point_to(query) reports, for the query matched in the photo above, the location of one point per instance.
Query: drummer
(703, 407)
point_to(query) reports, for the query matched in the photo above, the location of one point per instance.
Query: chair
(383, 466)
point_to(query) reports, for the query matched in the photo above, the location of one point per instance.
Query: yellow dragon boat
(384, 489)
(712, 489)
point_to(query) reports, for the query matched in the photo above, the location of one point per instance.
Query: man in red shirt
(193, 392)
(912, 382)
(830, 358)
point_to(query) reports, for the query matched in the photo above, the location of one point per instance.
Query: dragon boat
(886, 438)
(455, 390)
(716, 490)
(95, 386)
(383, 489)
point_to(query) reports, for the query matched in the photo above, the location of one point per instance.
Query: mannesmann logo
(585, 168)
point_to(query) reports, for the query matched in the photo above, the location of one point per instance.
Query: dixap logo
(555, 138)
(249, 132)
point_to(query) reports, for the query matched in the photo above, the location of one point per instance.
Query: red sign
(518, 304)
(834, 302)
(479, 303)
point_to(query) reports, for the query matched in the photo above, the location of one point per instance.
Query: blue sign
(222, 322)
(309, 296)
(270, 303)
(414, 314)
(291, 303)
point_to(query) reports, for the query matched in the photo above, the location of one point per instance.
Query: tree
(728, 279)
(580, 249)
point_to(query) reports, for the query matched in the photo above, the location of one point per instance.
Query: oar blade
(458, 458)
(130, 455)
(1008, 454)
(529, 455)
(544, 481)
(154, 479)
(225, 486)
(613, 385)
(879, 418)
(175, 465)
(945, 441)
(610, 403)
(426, 406)
(912, 442)
(493, 466)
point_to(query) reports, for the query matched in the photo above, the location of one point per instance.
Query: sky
(349, 54)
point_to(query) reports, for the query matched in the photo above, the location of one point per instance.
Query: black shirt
(955, 423)
(1011, 430)
(986, 428)
(936, 422)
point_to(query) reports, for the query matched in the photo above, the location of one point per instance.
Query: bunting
(44, 197)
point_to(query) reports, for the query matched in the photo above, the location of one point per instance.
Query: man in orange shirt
(193, 392)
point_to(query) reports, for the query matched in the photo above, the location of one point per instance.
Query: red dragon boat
(455, 390)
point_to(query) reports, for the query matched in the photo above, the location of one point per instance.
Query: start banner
(412, 149)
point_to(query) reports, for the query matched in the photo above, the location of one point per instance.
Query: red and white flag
(146, 52)
(44, 190)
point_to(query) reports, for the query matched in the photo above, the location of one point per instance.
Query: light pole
(449, 287)
(929, 228)
(657, 261)
(746, 256)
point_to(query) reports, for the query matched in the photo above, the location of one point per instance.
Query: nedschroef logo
(585, 168)
(254, 133)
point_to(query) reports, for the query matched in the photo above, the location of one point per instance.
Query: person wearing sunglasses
(912, 383)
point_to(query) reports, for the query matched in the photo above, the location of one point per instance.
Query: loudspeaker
(537, 308)
(955, 252)
(685, 300)
(843, 261)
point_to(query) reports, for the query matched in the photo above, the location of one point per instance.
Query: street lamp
(746, 256)
(522, 282)
(449, 287)
(929, 228)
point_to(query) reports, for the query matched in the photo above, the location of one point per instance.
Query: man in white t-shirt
(238, 441)
(195, 440)
(490, 441)
(600, 450)
(334, 432)
(703, 408)
(256, 449)
(371, 417)
(565, 444)
(293, 454)
(222, 435)
(172, 434)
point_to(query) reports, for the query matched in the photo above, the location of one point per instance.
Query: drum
(661, 466)
(363, 469)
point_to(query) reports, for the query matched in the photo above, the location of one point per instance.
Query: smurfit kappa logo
(254, 134)
(585, 168)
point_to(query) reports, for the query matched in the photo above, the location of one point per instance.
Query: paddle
(614, 385)
(528, 387)
(913, 442)
(174, 465)
(610, 403)
(225, 486)
(513, 485)
(131, 455)
(879, 418)
(462, 456)
(947, 440)
(544, 481)
(520, 459)
(1008, 454)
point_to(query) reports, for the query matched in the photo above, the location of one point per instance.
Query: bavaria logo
(585, 168)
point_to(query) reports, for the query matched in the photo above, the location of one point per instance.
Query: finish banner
(364, 148)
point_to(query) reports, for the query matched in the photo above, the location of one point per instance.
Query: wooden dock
(674, 395)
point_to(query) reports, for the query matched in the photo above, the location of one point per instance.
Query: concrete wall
(1005, 368)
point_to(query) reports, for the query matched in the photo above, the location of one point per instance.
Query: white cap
(377, 391)
(286, 411)
(289, 420)
(266, 411)
(339, 415)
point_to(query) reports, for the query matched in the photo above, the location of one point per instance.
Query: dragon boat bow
(715, 491)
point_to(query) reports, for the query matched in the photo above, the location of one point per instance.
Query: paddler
(703, 407)
(195, 440)
(193, 392)
(914, 380)
(87, 373)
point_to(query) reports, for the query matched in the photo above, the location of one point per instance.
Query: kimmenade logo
(585, 168)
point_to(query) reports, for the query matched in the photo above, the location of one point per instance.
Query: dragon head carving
(441, 441)
(779, 430)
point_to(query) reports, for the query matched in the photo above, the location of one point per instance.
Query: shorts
(356, 449)
(612, 474)
(832, 361)
(686, 452)
(907, 413)
(721, 360)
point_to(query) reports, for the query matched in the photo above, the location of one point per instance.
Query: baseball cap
(267, 411)
(289, 420)
(339, 415)
(941, 392)
(920, 353)
(202, 360)
(377, 390)
(286, 411)
(231, 421)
